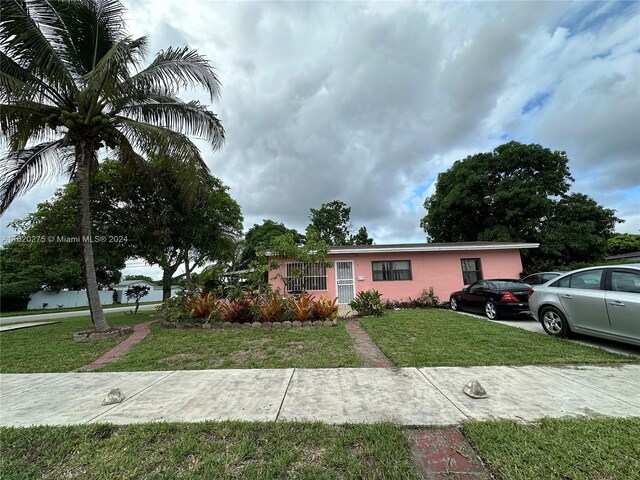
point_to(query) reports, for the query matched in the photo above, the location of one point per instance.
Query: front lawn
(435, 337)
(579, 449)
(197, 349)
(51, 348)
(207, 450)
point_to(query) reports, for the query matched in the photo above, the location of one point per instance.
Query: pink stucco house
(401, 271)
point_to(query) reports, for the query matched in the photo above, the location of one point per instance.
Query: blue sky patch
(537, 102)
(592, 16)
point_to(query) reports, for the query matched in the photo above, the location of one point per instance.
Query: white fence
(78, 298)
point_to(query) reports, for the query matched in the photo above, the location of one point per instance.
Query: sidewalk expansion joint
(285, 394)
(132, 396)
(443, 394)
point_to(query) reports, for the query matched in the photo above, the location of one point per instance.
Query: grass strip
(51, 348)
(579, 449)
(224, 450)
(436, 337)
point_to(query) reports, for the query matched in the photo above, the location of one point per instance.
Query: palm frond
(170, 150)
(17, 82)
(190, 118)
(26, 121)
(88, 28)
(156, 140)
(22, 169)
(29, 35)
(173, 69)
(113, 68)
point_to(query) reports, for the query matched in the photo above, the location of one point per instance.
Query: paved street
(406, 396)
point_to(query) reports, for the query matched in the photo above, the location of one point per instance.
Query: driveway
(61, 315)
(528, 323)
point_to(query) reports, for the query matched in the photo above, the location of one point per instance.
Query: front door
(345, 284)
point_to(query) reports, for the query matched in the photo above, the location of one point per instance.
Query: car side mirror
(465, 289)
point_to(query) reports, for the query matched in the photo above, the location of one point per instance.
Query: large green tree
(498, 196)
(171, 232)
(518, 193)
(261, 237)
(71, 83)
(332, 224)
(145, 216)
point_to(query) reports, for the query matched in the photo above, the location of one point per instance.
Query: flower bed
(192, 310)
(226, 325)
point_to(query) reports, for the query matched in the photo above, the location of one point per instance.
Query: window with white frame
(306, 276)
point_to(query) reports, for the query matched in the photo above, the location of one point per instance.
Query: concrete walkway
(77, 313)
(405, 396)
(368, 352)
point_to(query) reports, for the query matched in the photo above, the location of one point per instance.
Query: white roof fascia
(425, 248)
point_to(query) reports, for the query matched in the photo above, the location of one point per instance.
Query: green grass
(577, 449)
(51, 348)
(197, 349)
(69, 309)
(438, 337)
(226, 450)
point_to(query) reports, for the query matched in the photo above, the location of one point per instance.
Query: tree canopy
(621, 243)
(518, 193)
(332, 224)
(262, 236)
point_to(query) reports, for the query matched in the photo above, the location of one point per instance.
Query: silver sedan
(599, 301)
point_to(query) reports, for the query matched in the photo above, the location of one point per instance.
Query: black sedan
(493, 297)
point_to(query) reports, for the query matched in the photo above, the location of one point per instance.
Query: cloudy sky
(367, 102)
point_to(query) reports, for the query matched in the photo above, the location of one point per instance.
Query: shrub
(427, 299)
(175, 308)
(324, 308)
(272, 308)
(240, 310)
(302, 307)
(206, 307)
(368, 302)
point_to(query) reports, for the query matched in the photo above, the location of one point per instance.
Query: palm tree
(72, 83)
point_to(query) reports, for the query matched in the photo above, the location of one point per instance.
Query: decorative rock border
(93, 335)
(228, 325)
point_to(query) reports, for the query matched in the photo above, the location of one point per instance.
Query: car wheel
(490, 310)
(554, 322)
(453, 303)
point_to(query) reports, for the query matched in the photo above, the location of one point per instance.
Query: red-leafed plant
(272, 309)
(302, 307)
(240, 310)
(325, 309)
(206, 306)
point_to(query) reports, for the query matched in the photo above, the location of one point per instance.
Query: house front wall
(441, 270)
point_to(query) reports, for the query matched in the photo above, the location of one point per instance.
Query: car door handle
(567, 296)
(616, 304)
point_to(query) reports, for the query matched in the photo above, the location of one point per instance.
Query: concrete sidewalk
(405, 396)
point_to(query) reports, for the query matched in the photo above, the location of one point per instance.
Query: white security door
(345, 284)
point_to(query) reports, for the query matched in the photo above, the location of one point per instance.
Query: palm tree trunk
(83, 156)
